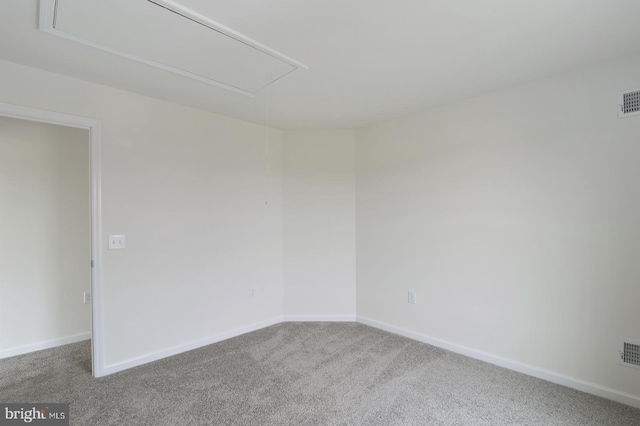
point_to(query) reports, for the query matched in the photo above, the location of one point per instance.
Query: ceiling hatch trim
(168, 36)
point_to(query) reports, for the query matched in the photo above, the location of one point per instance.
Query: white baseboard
(319, 318)
(135, 362)
(44, 345)
(550, 376)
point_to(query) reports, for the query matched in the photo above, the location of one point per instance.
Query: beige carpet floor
(303, 374)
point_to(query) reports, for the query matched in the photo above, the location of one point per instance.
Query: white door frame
(93, 126)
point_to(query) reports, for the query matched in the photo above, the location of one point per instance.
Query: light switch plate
(116, 242)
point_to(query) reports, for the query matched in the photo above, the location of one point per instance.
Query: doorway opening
(95, 261)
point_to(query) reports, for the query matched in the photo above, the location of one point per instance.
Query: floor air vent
(630, 353)
(629, 103)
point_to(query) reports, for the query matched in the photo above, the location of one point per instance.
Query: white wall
(188, 189)
(514, 216)
(45, 234)
(319, 224)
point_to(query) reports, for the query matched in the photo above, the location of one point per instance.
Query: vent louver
(629, 103)
(630, 353)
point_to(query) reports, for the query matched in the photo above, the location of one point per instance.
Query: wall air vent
(169, 36)
(629, 103)
(630, 353)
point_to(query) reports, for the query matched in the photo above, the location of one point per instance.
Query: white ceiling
(370, 60)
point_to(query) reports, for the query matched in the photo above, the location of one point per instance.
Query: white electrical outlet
(252, 293)
(87, 298)
(116, 242)
(412, 297)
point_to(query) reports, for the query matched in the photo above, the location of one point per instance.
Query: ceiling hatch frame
(47, 24)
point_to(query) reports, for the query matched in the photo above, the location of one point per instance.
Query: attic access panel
(166, 35)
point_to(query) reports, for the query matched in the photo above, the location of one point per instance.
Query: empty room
(317, 213)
